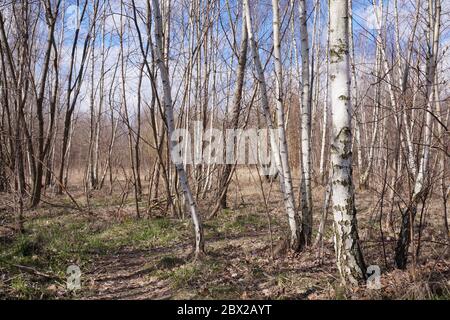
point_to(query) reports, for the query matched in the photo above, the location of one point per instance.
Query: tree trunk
(420, 184)
(242, 61)
(196, 219)
(322, 171)
(295, 231)
(349, 256)
(305, 156)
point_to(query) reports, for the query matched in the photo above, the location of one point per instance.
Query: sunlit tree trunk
(305, 186)
(295, 231)
(168, 105)
(349, 257)
(322, 170)
(284, 155)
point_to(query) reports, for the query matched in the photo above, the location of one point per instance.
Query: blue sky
(364, 33)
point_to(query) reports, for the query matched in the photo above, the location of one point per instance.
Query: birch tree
(168, 106)
(284, 155)
(325, 123)
(305, 185)
(285, 181)
(349, 256)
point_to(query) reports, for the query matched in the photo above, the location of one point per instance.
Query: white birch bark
(288, 197)
(354, 91)
(349, 257)
(305, 156)
(431, 77)
(196, 219)
(404, 82)
(325, 109)
(284, 155)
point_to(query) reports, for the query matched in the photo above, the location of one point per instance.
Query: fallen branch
(34, 271)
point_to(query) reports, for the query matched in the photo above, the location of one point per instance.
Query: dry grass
(125, 258)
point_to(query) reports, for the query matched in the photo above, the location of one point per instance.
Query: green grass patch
(137, 233)
(50, 245)
(169, 262)
(234, 224)
(189, 275)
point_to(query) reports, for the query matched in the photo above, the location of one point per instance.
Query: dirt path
(127, 275)
(236, 267)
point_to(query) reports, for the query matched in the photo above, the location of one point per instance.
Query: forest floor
(122, 257)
